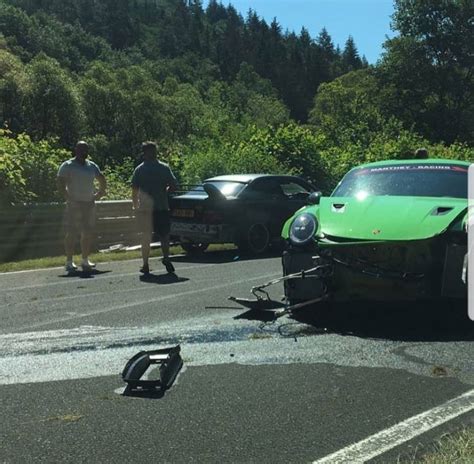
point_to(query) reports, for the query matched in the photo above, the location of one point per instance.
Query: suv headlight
(303, 228)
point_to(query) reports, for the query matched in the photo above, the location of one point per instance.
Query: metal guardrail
(37, 229)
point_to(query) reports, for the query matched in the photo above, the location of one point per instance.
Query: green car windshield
(415, 180)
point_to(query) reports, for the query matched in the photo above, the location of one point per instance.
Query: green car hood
(387, 218)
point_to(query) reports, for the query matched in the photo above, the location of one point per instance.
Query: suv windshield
(420, 180)
(228, 189)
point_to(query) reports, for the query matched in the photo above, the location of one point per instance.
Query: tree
(13, 88)
(326, 44)
(350, 56)
(52, 101)
(348, 109)
(429, 67)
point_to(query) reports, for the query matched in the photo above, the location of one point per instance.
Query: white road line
(112, 276)
(141, 289)
(29, 271)
(402, 432)
(145, 302)
(96, 278)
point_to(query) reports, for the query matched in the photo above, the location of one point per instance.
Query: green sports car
(390, 231)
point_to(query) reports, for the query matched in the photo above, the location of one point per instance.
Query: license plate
(183, 213)
(193, 229)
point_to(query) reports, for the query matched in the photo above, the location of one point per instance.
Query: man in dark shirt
(151, 182)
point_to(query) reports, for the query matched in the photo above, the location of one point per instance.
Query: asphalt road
(250, 390)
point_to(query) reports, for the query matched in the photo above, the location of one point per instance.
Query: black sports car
(248, 210)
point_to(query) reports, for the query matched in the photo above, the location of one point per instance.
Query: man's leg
(145, 223)
(165, 245)
(69, 246)
(163, 224)
(69, 239)
(86, 240)
(87, 235)
(146, 241)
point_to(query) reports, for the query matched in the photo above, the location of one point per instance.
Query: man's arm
(135, 191)
(61, 183)
(102, 186)
(61, 180)
(172, 182)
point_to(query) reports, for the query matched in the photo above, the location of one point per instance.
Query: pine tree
(350, 56)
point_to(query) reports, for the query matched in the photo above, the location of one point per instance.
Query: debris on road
(122, 247)
(263, 301)
(170, 362)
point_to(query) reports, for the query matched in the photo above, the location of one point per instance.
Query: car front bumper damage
(379, 271)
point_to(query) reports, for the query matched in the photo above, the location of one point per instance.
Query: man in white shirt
(76, 178)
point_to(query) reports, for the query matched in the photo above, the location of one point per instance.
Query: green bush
(28, 169)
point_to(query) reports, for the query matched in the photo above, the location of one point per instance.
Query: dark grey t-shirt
(152, 178)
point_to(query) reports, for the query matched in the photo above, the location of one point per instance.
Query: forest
(222, 93)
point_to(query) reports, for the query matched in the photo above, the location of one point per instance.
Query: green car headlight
(303, 228)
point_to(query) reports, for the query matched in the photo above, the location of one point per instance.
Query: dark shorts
(154, 221)
(80, 216)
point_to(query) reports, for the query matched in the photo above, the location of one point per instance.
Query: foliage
(348, 108)
(221, 93)
(52, 104)
(118, 180)
(78, 31)
(428, 68)
(286, 149)
(212, 159)
(28, 169)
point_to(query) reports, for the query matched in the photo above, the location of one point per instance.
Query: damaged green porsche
(390, 231)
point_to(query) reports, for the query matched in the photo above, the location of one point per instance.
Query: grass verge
(58, 261)
(456, 448)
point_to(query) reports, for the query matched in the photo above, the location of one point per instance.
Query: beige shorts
(80, 216)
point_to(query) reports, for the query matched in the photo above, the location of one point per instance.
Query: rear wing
(185, 188)
(205, 188)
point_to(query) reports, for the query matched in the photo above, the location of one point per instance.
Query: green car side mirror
(314, 198)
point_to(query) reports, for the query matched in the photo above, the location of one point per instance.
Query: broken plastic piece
(170, 364)
(260, 304)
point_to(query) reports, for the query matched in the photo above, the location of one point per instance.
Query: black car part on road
(169, 360)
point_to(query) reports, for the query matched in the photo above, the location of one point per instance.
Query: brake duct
(263, 301)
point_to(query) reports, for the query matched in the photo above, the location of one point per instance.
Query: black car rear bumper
(206, 233)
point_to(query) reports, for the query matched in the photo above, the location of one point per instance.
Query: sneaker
(145, 269)
(70, 267)
(86, 262)
(87, 266)
(168, 264)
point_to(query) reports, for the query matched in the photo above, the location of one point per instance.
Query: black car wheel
(256, 239)
(194, 248)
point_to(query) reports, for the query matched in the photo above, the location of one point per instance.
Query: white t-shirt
(79, 179)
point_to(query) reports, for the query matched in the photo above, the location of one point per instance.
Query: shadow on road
(257, 315)
(147, 394)
(84, 274)
(162, 279)
(417, 322)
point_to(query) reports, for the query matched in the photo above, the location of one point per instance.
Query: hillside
(221, 92)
